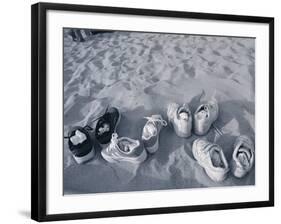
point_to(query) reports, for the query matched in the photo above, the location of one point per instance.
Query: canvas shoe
(211, 157)
(151, 131)
(106, 125)
(243, 156)
(204, 117)
(124, 149)
(80, 144)
(181, 119)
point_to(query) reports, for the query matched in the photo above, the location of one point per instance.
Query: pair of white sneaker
(131, 150)
(182, 120)
(211, 157)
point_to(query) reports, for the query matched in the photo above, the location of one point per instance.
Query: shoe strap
(154, 120)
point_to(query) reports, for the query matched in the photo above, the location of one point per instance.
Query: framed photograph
(140, 111)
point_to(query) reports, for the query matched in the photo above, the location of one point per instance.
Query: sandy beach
(140, 74)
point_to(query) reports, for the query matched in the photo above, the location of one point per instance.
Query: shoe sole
(85, 158)
(136, 160)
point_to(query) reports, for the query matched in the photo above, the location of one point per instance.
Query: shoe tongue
(149, 130)
(79, 137)
(244, 156)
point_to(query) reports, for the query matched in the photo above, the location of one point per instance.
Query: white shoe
(151, 131)
(204, 117)
(243, 156)
(124, 149)
(181, 119)
(211, 157)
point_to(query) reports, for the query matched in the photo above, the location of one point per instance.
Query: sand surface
(140, 73)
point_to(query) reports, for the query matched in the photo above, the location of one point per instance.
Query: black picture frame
(39, 107)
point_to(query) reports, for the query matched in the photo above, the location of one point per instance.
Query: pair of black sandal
(82, 149)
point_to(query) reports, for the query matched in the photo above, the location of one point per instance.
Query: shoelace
(206, 150)
(154, 120)
(114, 142)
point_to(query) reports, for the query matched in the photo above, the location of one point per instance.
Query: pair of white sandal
(211, 157)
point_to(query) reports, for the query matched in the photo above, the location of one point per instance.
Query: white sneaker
(204, 117)
(211, 157)
(181, 119)
(243, 156)
(124, 149)
(151, 131)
